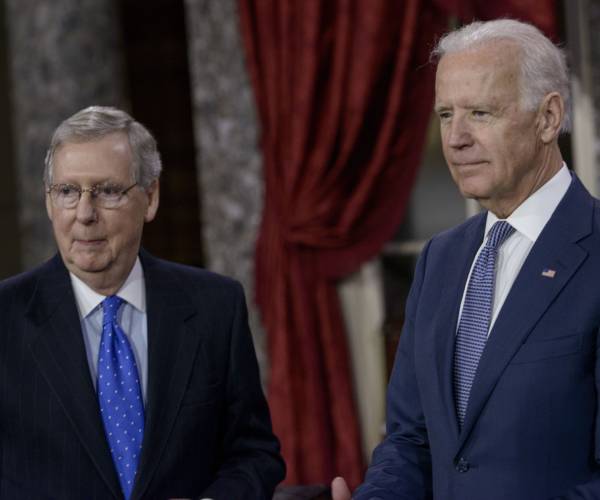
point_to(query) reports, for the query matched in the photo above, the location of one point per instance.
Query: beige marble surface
(229, 164)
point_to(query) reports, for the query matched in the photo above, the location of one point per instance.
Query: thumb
(339, 489)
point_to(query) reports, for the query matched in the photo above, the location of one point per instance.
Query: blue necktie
(475, 319)
(120, 397)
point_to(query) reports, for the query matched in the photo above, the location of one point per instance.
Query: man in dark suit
(494, 391)
(122, 375)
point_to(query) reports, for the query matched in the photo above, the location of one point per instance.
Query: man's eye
(108, 190)
(478, 113)
(67, 190)
(445, 115)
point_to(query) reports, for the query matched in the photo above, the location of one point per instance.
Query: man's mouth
(471, 163)
(89, 242)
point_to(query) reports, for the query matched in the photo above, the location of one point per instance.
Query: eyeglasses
(105, 195)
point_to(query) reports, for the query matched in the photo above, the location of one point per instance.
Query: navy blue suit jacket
(208, 430)
(531, 431)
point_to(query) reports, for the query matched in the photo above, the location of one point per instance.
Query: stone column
(64, 55)
(583, 22)
(595, 62)
(229, 164)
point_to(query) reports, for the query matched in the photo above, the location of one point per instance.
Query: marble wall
(582, 21)
(64, 55)
(229, 164)
(594, 29)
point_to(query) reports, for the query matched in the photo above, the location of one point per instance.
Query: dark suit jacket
(532, 430)
(208, 430)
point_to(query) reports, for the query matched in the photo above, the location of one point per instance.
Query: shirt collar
(531, 216)
(132, 291)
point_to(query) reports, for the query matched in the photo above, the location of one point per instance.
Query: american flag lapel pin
(548, 273)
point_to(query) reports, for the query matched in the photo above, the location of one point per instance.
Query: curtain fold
(344, 94)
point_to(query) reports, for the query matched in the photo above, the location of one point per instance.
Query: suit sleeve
(591, 489)
(401, 465)
(251, 466)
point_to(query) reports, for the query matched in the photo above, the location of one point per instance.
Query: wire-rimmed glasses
(104, 195)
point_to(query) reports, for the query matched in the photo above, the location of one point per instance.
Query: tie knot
(110, 306)
(500, 231)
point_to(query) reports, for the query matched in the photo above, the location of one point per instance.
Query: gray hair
(96, 122)
(543, 64)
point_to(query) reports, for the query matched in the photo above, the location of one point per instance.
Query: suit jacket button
(462, 465)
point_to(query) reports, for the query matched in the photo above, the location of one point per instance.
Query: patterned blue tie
(120, 397)
(475, 319)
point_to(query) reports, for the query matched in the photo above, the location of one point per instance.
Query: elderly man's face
(490, 143)
(99, 245)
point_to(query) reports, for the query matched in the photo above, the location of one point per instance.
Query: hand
(339, 489)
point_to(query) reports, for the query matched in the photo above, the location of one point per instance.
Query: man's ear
(49, 207)
(153, 192)
(550, 117)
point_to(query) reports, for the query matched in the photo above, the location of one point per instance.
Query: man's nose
(459, 133)
(86, 209)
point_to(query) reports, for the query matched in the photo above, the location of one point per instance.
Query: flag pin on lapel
(549, 273)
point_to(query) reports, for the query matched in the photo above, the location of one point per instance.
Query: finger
(340, 490)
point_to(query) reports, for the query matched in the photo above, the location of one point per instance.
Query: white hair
(543, 64)
(96, 122)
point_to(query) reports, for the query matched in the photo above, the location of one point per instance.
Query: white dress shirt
(132, 319)
(528, 220)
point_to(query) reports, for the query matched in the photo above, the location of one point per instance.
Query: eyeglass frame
(93, 192)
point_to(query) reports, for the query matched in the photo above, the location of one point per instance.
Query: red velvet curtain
(344, 93)
(542, 13)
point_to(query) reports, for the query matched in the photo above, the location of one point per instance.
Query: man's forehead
(107, 157)
(478, 69)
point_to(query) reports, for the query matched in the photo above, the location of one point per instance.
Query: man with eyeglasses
(122, 375)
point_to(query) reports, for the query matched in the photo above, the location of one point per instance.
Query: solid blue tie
(120, 397)
(475, 319)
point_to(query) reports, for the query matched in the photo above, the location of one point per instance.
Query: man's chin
(472, 193)
(79, 266)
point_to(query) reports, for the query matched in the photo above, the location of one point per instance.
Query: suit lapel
(172, 348)
(461, 250)
(532, 293)
(56, 342)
